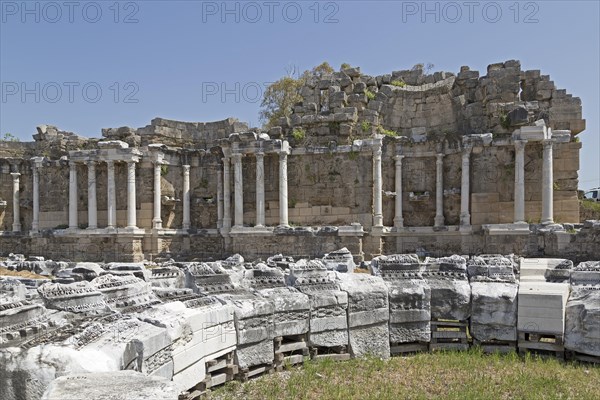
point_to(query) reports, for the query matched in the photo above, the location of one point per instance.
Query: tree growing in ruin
(280, 96)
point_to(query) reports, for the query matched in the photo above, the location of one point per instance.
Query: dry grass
(452, 375)
(21, 274)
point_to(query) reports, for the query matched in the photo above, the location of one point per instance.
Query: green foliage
(345, 66)
(281, 96)
(590, 205)
(576, 139)
(370, 95)
(399, 83)
(164, 170)
(504, 120)
(61, 226)
(365, 126)
(353, 155)
(466, 375)
(298, 134)
(9, 137)
(387, 132)
(555, 186)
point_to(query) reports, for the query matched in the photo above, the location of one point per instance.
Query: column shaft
(439, 191)
(92, 202)
(465, 189)
(238, 182)
(547, 184)
(260, 189)
(520, 181)
(377, 187)
(73, 224)
(131, 196)
(186, 197)
(157, 221)
(226, 193)
(16, 202)
(111, 197)
(283, 189)
(35, 224)
(398, 219)
(219, 197)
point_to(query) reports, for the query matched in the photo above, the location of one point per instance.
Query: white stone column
(260, 189)
(35, 223)
(439, 191)
(92, 202)
(465, 188)
(73, 224)
(377, 187)
(219, 197)
(186, 197)
(131, 196)
(226, 193)
(547, 184)
(157, 220)
(16, 201)
(111, 197)
(238, 182)
(283, 189)
(398, 220)
(520, 181)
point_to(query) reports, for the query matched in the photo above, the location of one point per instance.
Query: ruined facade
(403, 162)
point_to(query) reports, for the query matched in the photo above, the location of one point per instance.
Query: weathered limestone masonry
(404, 162)
(180, 328)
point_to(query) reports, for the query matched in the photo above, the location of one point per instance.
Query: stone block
(119, 384)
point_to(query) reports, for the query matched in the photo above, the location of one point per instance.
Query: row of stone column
(224, 190)
(92, 201)
(465, 216)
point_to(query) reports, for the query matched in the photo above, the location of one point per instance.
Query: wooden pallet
(218, 371)
(449, 335)
(542, 344)
(409, 347)
(254, 372)
(290, 350)
(496, 346)
(335, 353)
(582, 357)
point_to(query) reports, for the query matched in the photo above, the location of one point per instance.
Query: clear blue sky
(172, 56)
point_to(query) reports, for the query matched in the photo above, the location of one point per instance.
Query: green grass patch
(386, 132)
(452, 375)
(590, 205)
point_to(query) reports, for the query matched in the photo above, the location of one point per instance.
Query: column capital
(186, 168)
(72, 164)
(15, 175)
(91, 163)
(547, 143)
(37, 161)
(520, 144)
(398, 158)
(377, 150)
(259, 154)
(439, 158)
(237, 157)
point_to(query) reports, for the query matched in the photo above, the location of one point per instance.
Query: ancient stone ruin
(386, 215)
(187, 327)
(406, 162)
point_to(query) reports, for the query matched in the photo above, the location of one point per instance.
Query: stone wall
(335, 133)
